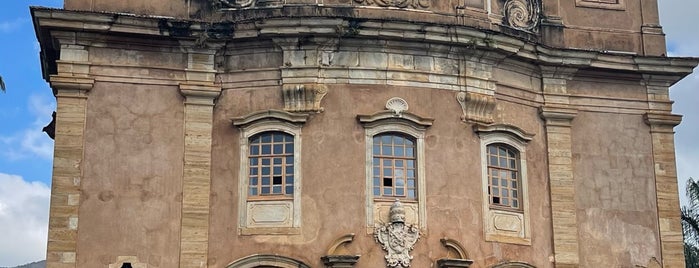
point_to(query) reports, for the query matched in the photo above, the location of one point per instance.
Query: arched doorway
(267, 261)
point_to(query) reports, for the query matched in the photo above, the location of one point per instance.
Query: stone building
(361, 133)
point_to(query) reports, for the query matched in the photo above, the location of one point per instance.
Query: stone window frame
(503, 224)
(613, 5)
(409, 125)
(249, 126)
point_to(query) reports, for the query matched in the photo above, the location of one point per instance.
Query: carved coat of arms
(397, 238)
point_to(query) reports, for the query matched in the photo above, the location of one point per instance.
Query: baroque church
(361, 133)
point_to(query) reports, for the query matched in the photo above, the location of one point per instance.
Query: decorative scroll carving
(337, 256)
(460, 260)
(476, 107)
(303, 98)
(397, 238)
(522, 14)
(396, 3)
(246, 3)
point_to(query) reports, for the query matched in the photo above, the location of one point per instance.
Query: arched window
(394, 166)
(504, 176)
(269, 178)
(271, 165)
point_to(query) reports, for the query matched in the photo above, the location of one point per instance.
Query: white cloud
(32, 141)
(24, 217)
(12, 25)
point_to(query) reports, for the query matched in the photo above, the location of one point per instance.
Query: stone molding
(337, 256)
(558, 116)
(613, 5)
(340, 261)
(409, 119)
(476, 107)
(235, 4)
(396, 3)
(265, 260)
(267, 115)
(514, 264)
(458, 261)
(303, 97)
(375, 28)
(132, 260)
(513, 131)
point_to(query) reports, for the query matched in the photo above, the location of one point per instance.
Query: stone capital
(200, 94)
(557, 116)
(70, 86)
(662, 122)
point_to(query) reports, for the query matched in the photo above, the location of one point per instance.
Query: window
(271, 158)
(503, 176)
(394, 166)
(270, 177)
(504, 180)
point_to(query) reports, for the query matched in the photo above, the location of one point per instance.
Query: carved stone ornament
(522, 14)
(397, 105)
(396, 3)
(476, 107)
(246, 3)
(397, 238)
(303, 97)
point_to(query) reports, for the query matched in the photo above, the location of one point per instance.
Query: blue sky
(26, 152)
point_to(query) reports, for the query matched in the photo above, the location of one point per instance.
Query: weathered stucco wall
(132, 184)
(615, 190)
(334, 179)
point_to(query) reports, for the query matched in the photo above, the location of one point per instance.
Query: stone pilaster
(661, 122)
(71, 104)
(671, 239)
(558, 117)
(70, 85)
(199, 92)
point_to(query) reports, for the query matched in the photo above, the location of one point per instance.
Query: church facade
(361, 133)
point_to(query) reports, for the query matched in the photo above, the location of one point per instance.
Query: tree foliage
(2, 85)
(690, 225)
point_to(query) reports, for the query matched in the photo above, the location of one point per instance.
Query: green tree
(690, 225)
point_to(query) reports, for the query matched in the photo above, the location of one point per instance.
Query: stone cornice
(459, 36)
(383, 116)
(284, 116)
(511, 130)
(558, 116)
